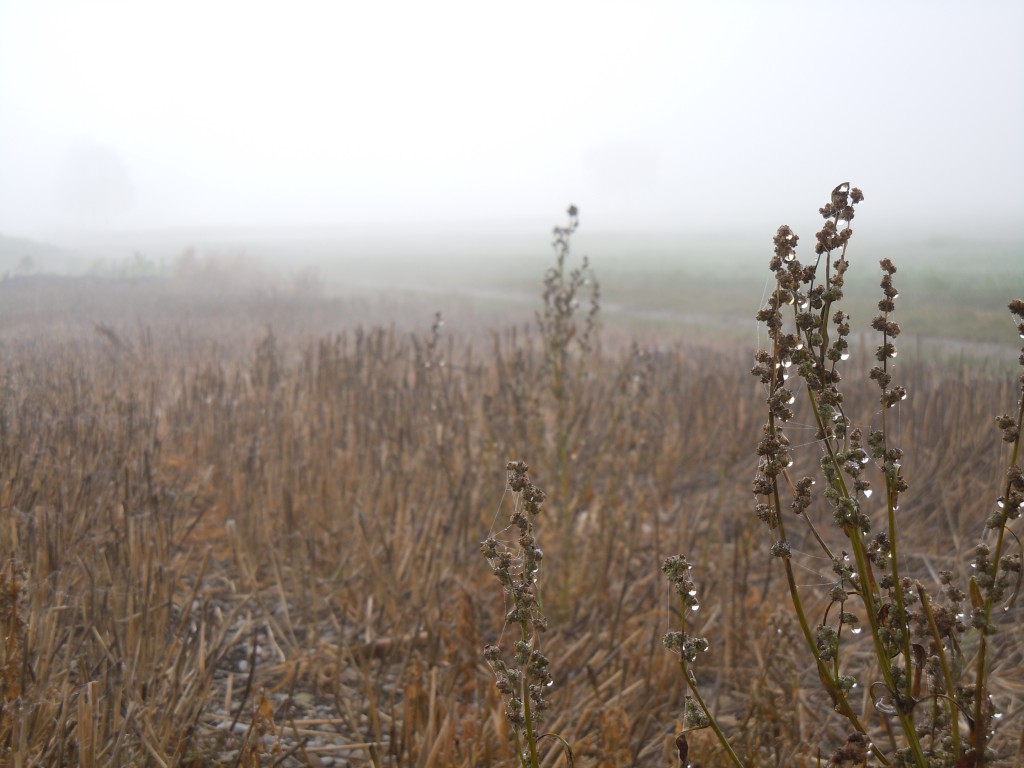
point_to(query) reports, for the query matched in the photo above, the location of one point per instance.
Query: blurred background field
(658, 285)
(242, 505)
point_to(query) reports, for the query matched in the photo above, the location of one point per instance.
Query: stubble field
(242, 527)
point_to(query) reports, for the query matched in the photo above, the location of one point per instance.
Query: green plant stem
(524, 692)
(823, 328)
(866, 591)
(947, 671)
(897, 586)
(814, 531)
(838, 696)
(980, 677)
(906, 718)
(891, 495)
(519, 749)
(691, 683)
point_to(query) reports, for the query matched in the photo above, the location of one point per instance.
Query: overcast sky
(681, 115)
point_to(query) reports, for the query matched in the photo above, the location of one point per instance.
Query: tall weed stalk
(524, 681)
(928, 689)
(568, 343)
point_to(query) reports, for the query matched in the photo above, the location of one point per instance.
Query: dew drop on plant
(856, 630)
(867, 493)
(786, 363)
(695, 607)
(692, 592)
(864, 460)
(844, 356)
(885, 706)
(791, 400)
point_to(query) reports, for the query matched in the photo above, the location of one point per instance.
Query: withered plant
(927, 673)
(516, 565)
(568, 338)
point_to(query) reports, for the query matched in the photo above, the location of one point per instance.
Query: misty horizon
(140, 118)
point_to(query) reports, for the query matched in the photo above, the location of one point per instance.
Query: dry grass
(228, 546)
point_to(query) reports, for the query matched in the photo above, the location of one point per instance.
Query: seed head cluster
(525, 678)
(917, 639)
(677, 569)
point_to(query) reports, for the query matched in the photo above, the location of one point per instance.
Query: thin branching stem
(947, 670)
(691, 683)
(980, 695)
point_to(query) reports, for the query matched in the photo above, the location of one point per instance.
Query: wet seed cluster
(814, 349)
(525, 679)
(677, 570)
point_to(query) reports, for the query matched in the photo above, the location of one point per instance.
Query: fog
(343, 116)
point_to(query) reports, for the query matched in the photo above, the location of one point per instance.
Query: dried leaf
(977, 601)
(684, 749)
(919, 659)
(566, 747)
